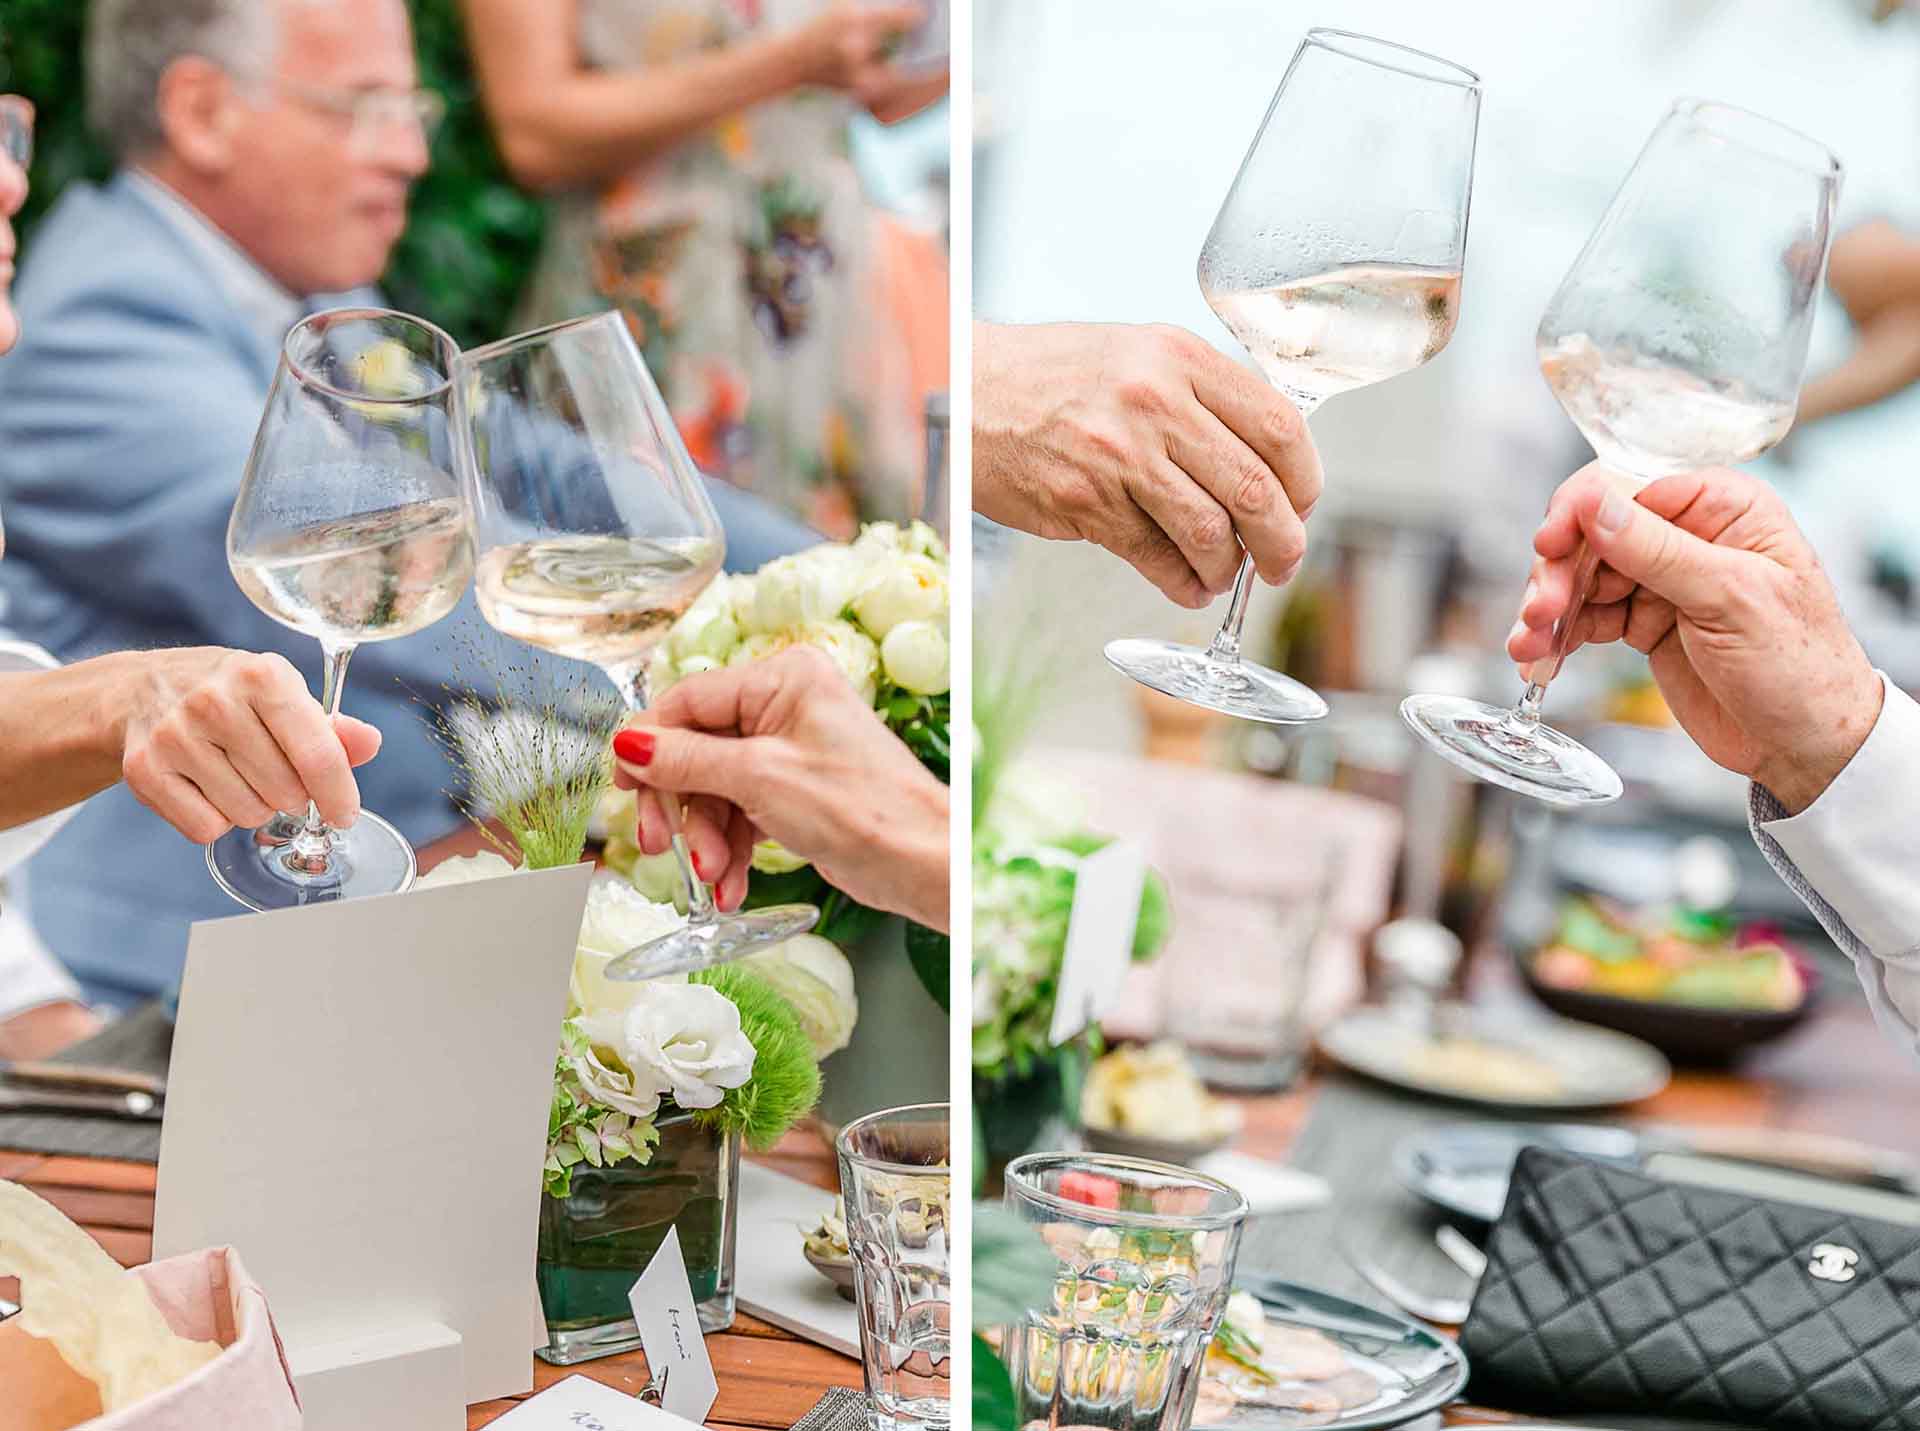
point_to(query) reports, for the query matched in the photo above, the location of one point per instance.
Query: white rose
(465, 869)
(909, 588)
(687, 1036)
(918, 658)
(799, 590)
(618, 918)
(917, 538)
(772, 857)
(814, 976)
(852, 650)
(657, 878)
(708, 628)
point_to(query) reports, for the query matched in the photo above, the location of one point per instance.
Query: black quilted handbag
(1607, 1290)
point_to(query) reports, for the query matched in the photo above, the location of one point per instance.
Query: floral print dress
(757, 280)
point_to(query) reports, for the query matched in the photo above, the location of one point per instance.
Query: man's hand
(1146, 441)
(214, 739)
(1707, 573)
(45, 1029)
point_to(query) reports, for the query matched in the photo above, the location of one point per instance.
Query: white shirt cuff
(1852, 856)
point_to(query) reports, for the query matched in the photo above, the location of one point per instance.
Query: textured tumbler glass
(895, 1178)
(1144, 1255)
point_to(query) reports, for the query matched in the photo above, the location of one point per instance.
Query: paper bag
(206, 1296)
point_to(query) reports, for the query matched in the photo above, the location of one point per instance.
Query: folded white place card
(582, 1404)
(1106, 907)
(358, 1102)
(773, 1279)
(663, 1309)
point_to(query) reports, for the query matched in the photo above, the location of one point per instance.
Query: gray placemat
(1349, 1140)
(841, 1409)
(142, 1041)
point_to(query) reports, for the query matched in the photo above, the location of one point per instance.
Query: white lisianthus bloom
(614, 814)
(917, 658)
(618, 917)
(662, 671)
(915, 539)
(605, 1075)
(687, 1036)
(814, 976)
(464, 869)
(908, 588)
(772, 857)
(696, 665)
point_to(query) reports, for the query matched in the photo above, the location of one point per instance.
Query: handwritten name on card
(663, 1308)
(579, 1402)
(1106, 907)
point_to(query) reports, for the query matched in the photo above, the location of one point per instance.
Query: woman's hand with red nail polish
(785, 748)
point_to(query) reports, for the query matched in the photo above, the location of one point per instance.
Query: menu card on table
(358, 1103)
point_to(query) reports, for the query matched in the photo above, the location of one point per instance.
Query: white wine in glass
(596, 535)
(352, 525)
(1677, 341)
(608, 600)
(1336, 262)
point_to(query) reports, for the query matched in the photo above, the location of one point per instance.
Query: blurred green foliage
(472, 235)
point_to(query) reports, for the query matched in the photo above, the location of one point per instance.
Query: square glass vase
(596, 1241)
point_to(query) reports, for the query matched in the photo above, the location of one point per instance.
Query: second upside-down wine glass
(1677, 341)
(1336, 262)
(352, 525)
(595, 536)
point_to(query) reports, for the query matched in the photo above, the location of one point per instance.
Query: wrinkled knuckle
(205, 829)
(139, 769)
(1253, 491)
(1177, 344)
(207, 705)
(1210, 530)
(1281, 424)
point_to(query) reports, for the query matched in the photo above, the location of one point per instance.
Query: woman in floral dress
(698, 154)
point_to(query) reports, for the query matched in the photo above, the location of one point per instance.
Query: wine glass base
(370, 858)
(1236, 688)
(1489, 743)
(728, 937)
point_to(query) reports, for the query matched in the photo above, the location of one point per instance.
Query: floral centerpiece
(879, 607)
(1028, 842)
(656, 1083)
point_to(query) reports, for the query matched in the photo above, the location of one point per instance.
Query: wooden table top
(768, 1378)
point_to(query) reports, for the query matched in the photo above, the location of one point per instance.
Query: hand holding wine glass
(1677, 341)
(596, 535)
(352, 525)
(1709, 576)
(1336, 262)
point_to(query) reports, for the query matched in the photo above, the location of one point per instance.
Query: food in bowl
(1153, 1091)
(1671, 956)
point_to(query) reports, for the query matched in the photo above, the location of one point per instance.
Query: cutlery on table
(1460, 1251)
(1442, 1311)
(133, 1104)
(46, 1073)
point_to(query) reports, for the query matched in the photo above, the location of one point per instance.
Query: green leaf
(931, 954)
(1013, 1271)
(993, 1404)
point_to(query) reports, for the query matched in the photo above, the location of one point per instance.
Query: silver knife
(46, 1073)
(134, 1104)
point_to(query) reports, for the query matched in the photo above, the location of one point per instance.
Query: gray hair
(130, 44)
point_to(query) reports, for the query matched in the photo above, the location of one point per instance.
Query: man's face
(324, 199)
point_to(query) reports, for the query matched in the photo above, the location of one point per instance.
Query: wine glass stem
(631, 681)
(1225, 647)
(311, 851)
(1584, 572)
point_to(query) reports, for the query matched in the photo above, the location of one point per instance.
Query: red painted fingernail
(699, 868)
(634, 746)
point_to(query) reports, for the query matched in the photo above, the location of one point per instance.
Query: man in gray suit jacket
(267, 148)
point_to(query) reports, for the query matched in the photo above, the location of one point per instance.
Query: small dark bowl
(1689, 1034)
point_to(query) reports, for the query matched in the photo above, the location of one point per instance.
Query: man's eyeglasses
(373, 114)
(16, 129)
